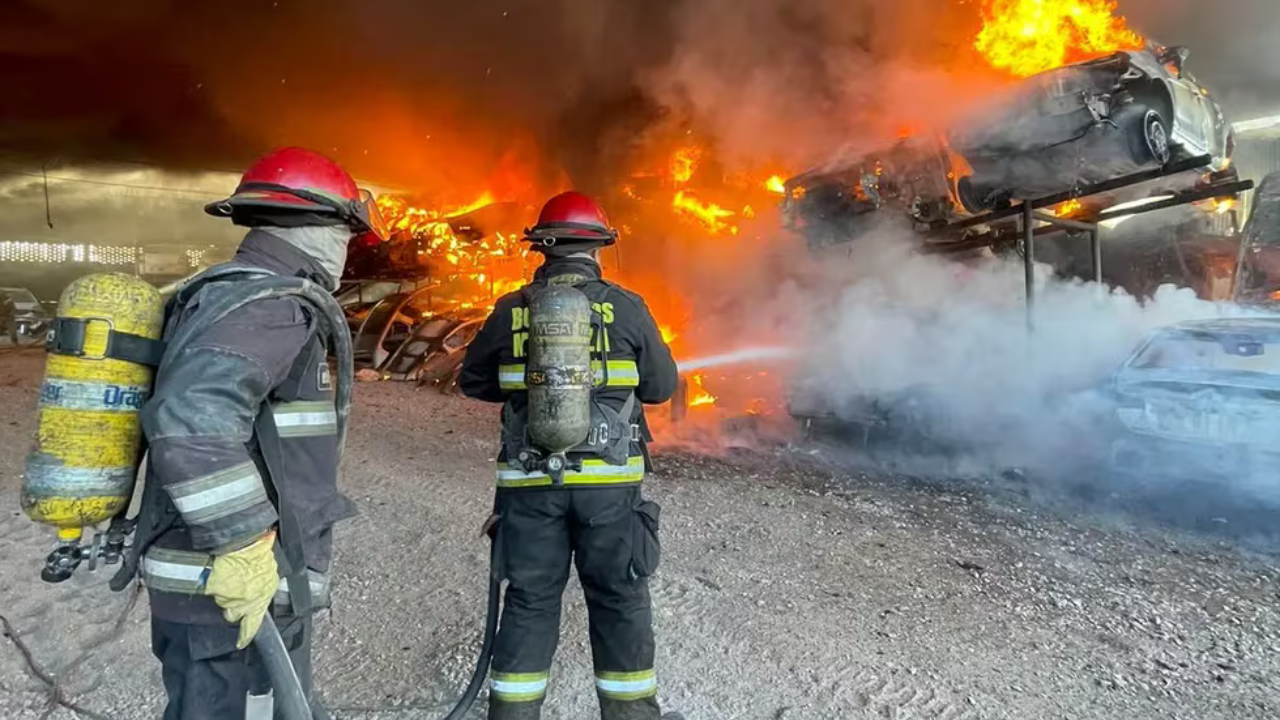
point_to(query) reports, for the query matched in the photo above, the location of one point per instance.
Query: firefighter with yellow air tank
(244, 429)
(572, 357)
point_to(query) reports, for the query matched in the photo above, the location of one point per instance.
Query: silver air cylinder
(558, 373)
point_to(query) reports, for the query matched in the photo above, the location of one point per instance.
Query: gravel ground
(788, 590)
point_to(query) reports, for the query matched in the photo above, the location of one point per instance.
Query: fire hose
(486, 652)
(292, 699)
(284, 678)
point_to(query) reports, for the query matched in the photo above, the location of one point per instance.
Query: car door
(1195, 121)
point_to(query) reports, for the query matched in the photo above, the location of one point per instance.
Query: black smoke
(423, 92)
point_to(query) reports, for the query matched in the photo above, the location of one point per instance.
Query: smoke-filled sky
(423, 92)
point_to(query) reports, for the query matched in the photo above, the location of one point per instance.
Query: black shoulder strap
(67, 335)
(290, 527)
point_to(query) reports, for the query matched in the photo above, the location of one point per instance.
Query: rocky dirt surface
(789, 589)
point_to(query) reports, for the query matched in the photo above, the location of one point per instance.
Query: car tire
(1147, 134)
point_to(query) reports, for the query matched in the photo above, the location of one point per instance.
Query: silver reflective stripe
(627, 686)
(319, 583)
(42, 475)
(305, 418)
(518, 687)
(217, 495)
(175, 571)
(528, 687)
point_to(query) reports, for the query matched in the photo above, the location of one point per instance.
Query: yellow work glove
(243, 583)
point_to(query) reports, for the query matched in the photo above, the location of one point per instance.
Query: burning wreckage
(415, 302)
(1078, 139)
(1067, 150)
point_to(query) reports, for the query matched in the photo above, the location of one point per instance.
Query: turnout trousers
(207, 678)
(611, 535)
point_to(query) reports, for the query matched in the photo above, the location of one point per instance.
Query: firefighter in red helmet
(595, 516)
(245, 429)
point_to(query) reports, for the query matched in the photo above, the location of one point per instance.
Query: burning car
(1201, 400)
(915, 175)
(1054, 132)
(1090, 122)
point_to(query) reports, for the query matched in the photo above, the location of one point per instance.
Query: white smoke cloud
(889, 322)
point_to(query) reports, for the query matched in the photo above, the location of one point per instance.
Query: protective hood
(326, 244)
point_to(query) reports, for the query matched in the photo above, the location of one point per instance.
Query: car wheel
(1148, 136)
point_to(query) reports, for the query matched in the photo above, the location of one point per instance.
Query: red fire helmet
(571, 219)
(296, 186)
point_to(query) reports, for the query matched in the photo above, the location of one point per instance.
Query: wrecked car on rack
(1060, 131)
(1090, 122)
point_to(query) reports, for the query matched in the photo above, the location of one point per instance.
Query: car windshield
(1230, 354)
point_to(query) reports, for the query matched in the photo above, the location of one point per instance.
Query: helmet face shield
(366, 213)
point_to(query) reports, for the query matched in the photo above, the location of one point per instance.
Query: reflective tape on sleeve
(308, 418)
(594, 472)
(211, 497)
(518, 687)
(627, 685)
(175, 571)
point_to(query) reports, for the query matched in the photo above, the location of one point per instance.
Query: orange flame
(1066, 209)
(1221, 206)
(775, 184)
(712, 216)
(683, 162)
(1026, 37)
(478, 268)
(701, 396)
(668, 334)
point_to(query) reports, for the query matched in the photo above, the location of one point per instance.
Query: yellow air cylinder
(82, 469)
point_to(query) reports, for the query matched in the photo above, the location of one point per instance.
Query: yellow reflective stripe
(518, 687)
(622, 373)
(594, 472)
(627, 685)
(511, 377)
